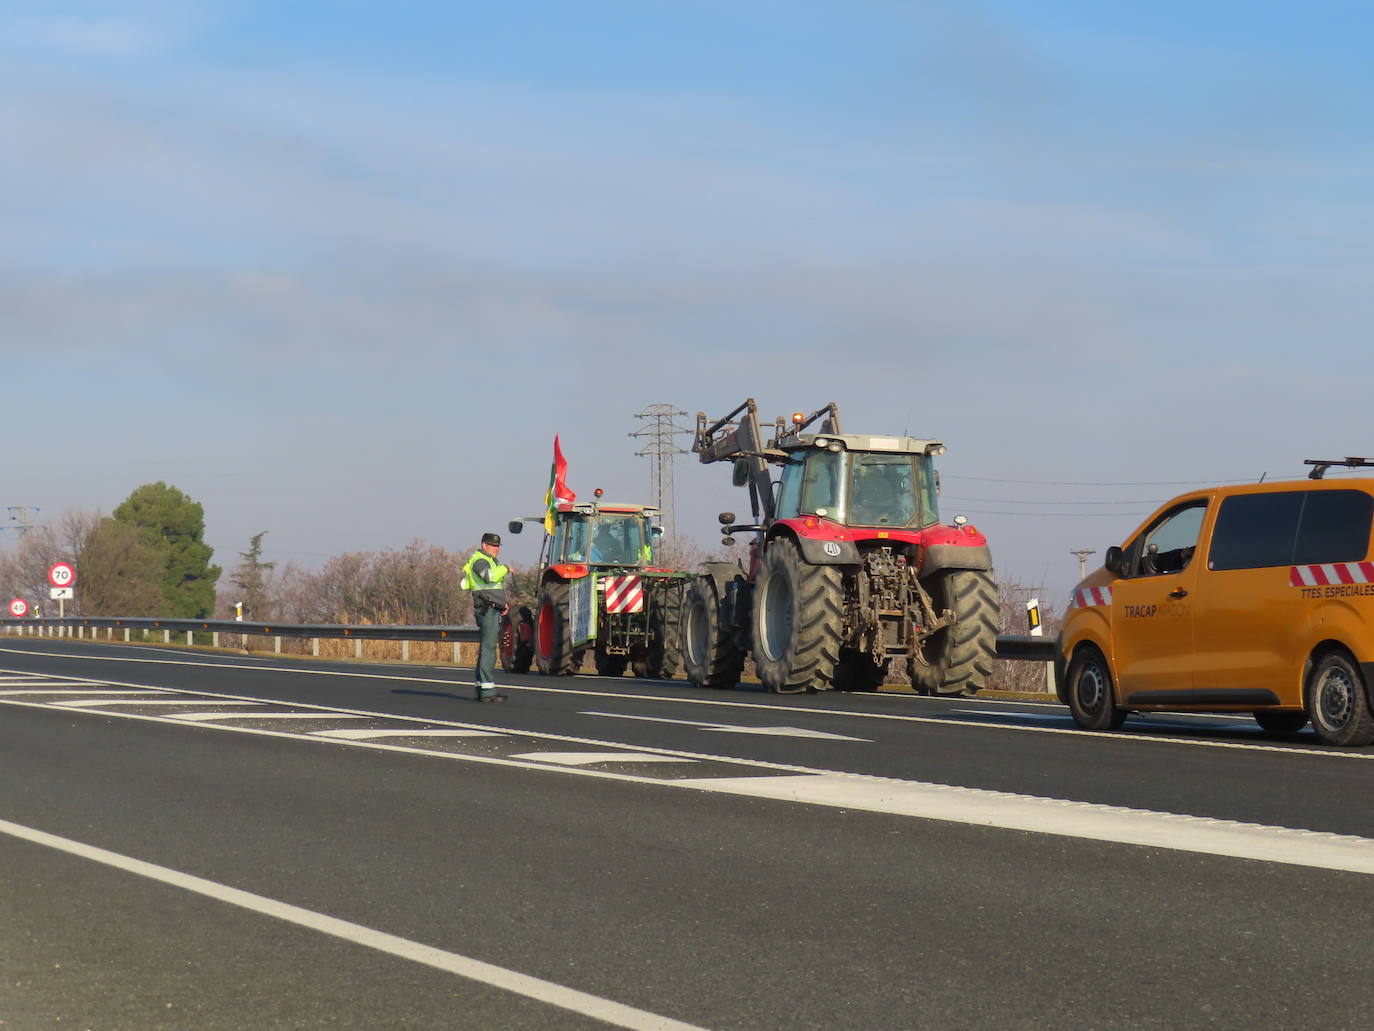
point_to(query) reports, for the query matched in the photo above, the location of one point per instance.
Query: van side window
(1334, 527)
(1255, 530)
(1167, 546)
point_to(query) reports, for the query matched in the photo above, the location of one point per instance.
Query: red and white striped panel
(1089, 597)
(624, 594)
(1331, 573)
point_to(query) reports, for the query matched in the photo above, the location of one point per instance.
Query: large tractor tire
(517, 640)
(798, 615)
(710, 656)
(960, 656)
(662, 656)
(552, 632)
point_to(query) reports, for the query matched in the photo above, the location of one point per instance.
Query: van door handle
(1178, 592)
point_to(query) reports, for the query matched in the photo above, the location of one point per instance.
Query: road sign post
(62, 576)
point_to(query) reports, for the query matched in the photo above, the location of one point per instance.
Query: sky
(340, 271)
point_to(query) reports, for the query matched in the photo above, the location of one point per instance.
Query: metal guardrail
(234, 626)
(1025, 648)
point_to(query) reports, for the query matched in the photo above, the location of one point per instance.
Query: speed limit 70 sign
(61, 575)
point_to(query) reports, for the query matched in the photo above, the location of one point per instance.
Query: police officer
(484, 576)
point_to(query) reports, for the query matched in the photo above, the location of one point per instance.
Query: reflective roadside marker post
(1037, 629)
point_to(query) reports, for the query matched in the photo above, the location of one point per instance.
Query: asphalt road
(200, 840)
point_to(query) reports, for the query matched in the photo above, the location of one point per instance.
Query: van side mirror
(515, 526)
(1114, 561)
(741, 473)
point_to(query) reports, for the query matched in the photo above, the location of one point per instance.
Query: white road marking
(911, 798)
(605, 1010)
(587, 758)
(1061, 817)
(91, 703)
(365, 735)
(83, 691)
(880, 698)
(731, 728)
(211, 716)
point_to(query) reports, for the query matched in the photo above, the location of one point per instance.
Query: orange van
(1256, 598)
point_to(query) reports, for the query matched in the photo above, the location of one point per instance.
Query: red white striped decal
(624, 594)
(1089, 597)
(1332, 573)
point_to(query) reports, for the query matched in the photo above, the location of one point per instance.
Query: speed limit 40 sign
(61, 575)
(19, 607)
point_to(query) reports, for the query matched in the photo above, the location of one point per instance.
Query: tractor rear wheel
(797, 621)
(517, 640)
(552, 631)
(662, 656)
(709, 653)
(960, 656)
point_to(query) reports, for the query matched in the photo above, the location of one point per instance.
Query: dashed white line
(211, 716)
(349, 734)
(588, 758)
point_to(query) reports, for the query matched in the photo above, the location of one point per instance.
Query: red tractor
(600, 591)
(849, 568)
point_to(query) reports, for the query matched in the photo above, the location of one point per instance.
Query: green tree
(251, 577)
(172, 521)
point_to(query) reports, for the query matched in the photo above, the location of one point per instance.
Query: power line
(20, 515)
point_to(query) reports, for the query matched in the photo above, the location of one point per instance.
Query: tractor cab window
(789, 495)
(883, 491)
(618, 540)
(575, 531)
(822, 485)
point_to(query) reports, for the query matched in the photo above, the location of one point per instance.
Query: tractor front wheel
(959, 657)
(797, 621)
(709, 652)
(662, 656)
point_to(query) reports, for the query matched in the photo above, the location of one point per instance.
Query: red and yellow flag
(558, 496)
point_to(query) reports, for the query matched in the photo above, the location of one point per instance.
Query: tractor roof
(862, 442)
(592, 507)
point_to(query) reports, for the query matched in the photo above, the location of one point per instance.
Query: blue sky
(341, 270)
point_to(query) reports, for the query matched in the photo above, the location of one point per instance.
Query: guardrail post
(405, 651)
(188, 638)
(358, 648)
(315, 647)
(278, 644)
(456, 653)
(214, 639)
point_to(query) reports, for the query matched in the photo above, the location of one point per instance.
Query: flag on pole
(558, 495)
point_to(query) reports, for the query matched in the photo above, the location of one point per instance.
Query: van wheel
(1280, 722)
(1337, 703)
(1091, 697)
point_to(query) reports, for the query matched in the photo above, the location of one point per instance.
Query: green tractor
(601, 592)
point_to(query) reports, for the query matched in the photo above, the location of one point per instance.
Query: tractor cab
(860, 480)
(601, 535)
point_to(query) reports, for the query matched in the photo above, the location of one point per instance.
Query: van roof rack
(1320, 465)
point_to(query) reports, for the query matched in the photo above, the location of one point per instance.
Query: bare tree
(121, 572)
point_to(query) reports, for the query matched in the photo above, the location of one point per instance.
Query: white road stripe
(605, 1010)
(210, 716)
(733, 728)
(1331, 754)
(587, 758)
(83, 691)
(364, 735)
(90, 703)
(1056, 816)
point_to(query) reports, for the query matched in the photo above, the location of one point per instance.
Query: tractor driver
(609, 545)
(882, 495)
